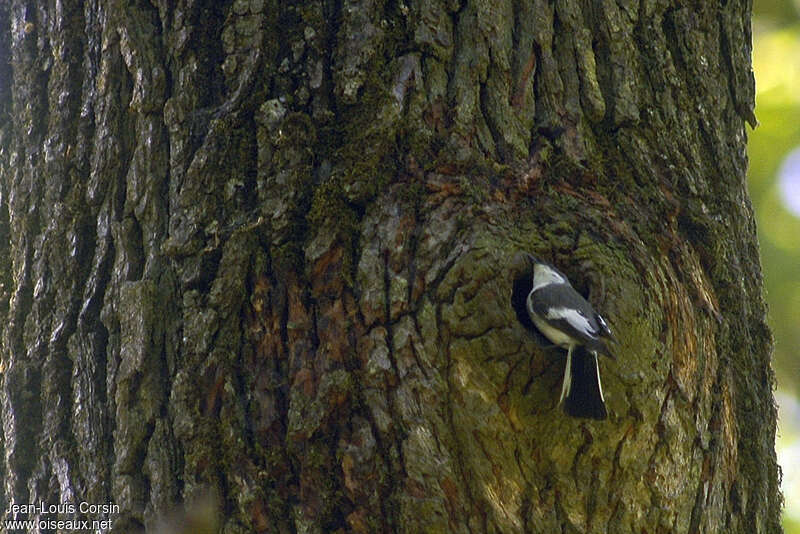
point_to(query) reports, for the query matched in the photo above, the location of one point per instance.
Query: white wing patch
(577, 320)
(603, 324)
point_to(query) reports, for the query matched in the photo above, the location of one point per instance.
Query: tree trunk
(263, 252)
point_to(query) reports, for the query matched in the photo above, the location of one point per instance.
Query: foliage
(776, 49)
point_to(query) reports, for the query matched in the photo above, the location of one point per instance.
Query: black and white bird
(565, 318)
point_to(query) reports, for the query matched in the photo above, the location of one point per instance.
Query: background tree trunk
(263, 251)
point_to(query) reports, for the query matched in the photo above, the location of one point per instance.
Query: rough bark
(263, 251)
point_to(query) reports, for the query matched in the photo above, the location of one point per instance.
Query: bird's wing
(574, 316)
(571, 321)
(604, 329)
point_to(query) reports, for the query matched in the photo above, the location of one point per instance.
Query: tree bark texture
(264, 250)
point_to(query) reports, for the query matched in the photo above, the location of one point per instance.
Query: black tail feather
(585, 396)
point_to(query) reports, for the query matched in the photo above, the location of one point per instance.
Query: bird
(548, 305)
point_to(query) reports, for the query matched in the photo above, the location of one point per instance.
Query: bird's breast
(553, 334)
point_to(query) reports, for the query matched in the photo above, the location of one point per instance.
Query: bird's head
(545, 274)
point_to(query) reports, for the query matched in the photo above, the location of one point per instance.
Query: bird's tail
(582, 392)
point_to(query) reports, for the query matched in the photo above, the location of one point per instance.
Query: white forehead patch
(543, 275)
